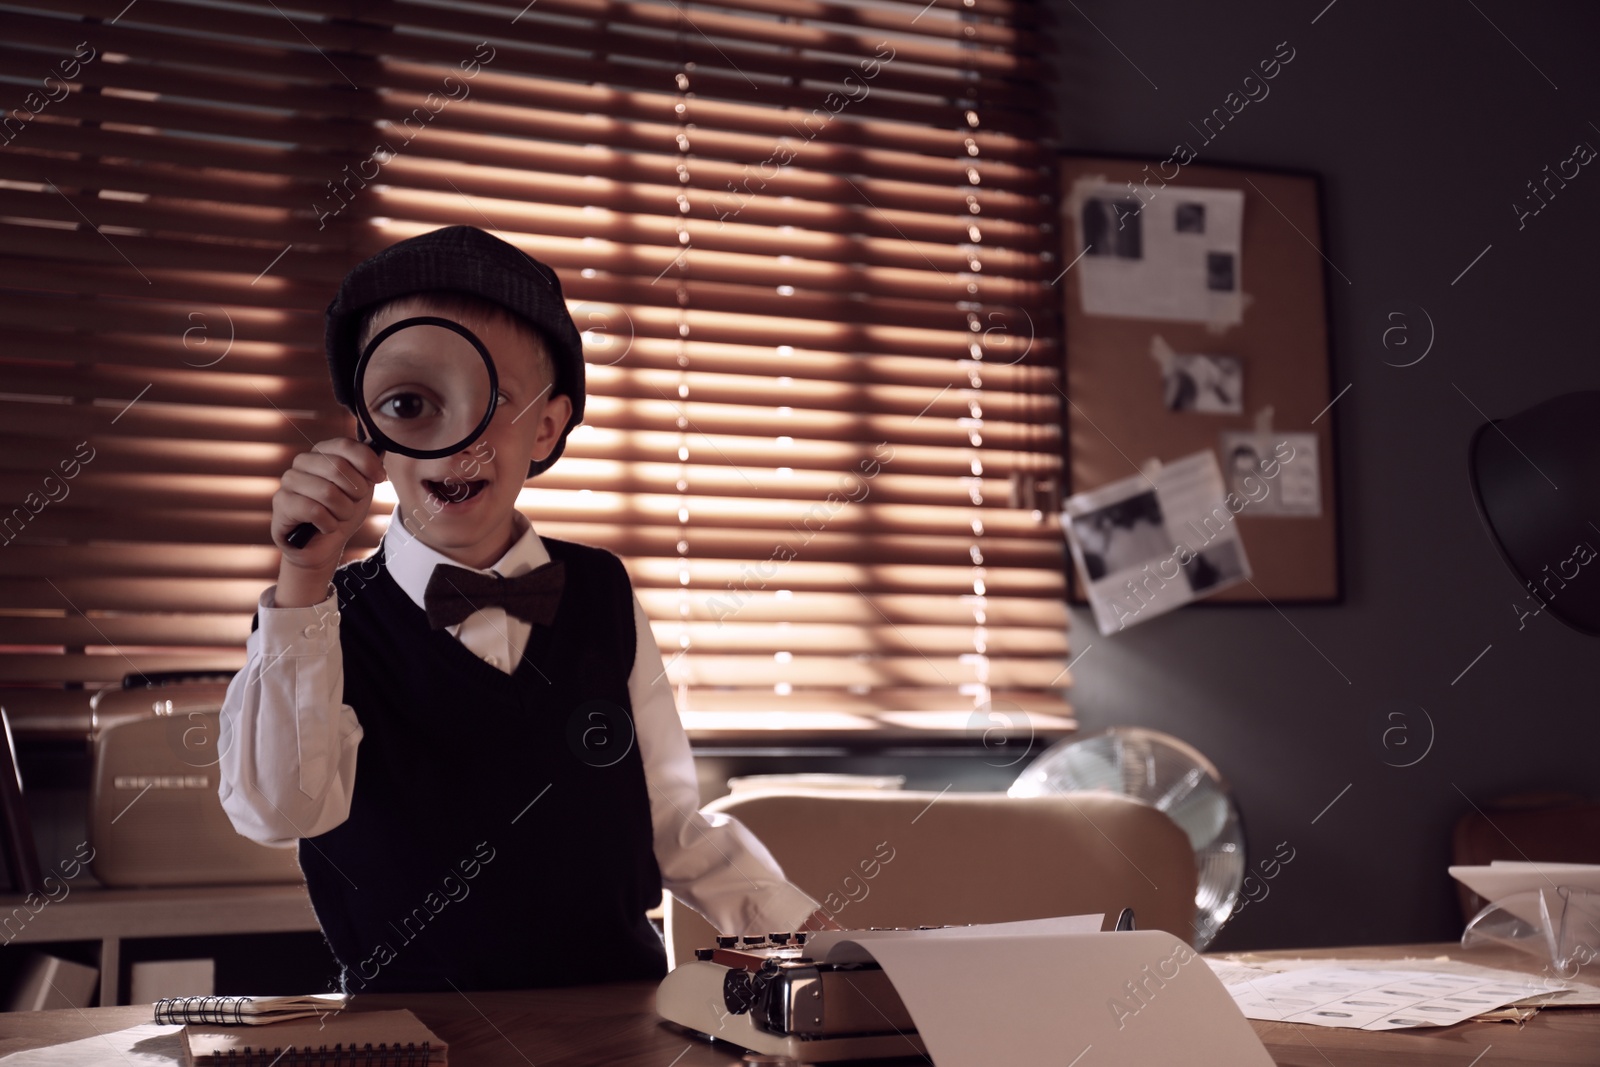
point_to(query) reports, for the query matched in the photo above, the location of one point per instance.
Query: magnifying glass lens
(427, 389)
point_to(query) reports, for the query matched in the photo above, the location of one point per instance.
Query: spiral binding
(383, 1054)
(228, 1011)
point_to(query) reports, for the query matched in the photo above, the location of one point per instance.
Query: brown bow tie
(454, 593)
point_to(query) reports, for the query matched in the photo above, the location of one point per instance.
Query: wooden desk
(615, 1026)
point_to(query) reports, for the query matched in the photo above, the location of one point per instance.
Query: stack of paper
(1365, 998)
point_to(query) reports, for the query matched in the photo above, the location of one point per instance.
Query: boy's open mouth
(454, 491)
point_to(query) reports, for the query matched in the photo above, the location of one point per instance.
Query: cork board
(1123, 411)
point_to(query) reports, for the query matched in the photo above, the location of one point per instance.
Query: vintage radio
(766, 995)
(155, 818)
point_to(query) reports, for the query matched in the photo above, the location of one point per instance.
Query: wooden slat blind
(809, 243)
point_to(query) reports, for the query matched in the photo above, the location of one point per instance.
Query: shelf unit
(111, 916)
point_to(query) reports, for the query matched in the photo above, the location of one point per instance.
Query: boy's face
(463, 506)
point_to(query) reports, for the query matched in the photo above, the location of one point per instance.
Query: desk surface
(616, 1026)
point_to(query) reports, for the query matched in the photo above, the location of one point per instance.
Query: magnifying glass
(425, 387)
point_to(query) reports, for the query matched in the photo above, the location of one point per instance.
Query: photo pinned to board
(1148, 544)
(1276, 473)
(1173, 255)
(1203, 383)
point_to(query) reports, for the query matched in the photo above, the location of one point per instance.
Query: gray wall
(1425, 122)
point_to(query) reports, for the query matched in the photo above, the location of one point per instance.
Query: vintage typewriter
(766, 995)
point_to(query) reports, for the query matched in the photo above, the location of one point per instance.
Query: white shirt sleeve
(287, 740)
(710, 862)
(288, 761)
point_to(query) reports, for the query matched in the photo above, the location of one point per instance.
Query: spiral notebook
(247, 1011)
(349, 1038)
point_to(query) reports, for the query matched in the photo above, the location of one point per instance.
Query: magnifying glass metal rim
(380, 442)
(384, 443)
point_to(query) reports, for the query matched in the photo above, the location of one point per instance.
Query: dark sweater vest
(499, 833)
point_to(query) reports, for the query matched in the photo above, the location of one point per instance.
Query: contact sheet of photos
(1201, 419)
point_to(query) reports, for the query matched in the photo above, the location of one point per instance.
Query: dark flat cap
(459, 259)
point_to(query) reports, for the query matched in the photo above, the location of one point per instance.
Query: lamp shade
(1536, 480)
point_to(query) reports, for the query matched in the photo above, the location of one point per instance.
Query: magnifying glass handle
(301, 535)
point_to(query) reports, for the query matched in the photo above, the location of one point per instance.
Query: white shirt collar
(411, 562)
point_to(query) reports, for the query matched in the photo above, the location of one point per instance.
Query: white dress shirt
(288, 742)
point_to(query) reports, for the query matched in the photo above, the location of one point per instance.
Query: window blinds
(810, 246)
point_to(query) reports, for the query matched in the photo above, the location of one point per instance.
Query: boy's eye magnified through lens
(425, 387)
(405, 405)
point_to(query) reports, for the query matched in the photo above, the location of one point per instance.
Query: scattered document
(1362, 999)
(148, 1045)
(1570, 994)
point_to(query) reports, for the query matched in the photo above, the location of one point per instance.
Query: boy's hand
(331, 488)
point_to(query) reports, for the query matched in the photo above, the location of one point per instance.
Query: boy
(481, 800)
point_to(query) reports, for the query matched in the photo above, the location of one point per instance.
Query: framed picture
(1196, 319)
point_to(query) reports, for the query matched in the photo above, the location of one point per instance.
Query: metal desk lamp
(1536, 480)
